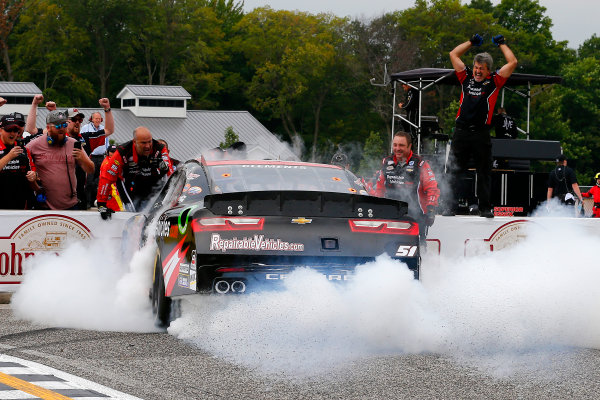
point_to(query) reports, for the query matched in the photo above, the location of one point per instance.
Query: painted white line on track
(65, 381)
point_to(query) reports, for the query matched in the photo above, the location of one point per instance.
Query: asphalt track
(159, 366)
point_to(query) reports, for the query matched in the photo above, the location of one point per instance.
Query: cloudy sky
(574, 20)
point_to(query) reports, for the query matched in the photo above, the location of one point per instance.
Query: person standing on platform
(480, 89)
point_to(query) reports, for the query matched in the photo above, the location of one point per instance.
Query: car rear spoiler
(305, 203)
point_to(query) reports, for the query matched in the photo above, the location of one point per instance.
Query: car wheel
(161, 304)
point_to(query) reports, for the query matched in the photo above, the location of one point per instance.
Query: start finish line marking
(19, 376)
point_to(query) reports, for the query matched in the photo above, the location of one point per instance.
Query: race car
(237, 226)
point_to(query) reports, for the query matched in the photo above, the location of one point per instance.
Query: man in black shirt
(17, 171)
(504, 125)
(562, 183)
(480, 89)
(411, 106)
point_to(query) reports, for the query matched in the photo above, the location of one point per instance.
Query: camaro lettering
(257, 243)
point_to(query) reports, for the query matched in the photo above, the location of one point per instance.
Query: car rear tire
(161, 304)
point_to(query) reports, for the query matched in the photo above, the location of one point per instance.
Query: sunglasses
(12, 130)
(75, 119)
(60, 126)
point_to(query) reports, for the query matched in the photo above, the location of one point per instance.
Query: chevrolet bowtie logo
(301, 220)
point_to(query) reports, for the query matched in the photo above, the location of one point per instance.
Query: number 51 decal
(406, 251)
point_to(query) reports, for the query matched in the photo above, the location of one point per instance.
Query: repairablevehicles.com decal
(257, 243)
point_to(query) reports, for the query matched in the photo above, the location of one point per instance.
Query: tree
(54, 64)
(107, 24)
(11, 9)
(297, 60)
(374, 150)
(590, 48)
(230, 138)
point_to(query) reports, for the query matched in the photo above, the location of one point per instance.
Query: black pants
(91, 185)
(471, 144)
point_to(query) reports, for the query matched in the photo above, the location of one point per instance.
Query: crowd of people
(67, 166)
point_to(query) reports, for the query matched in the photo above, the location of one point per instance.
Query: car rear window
(227, 178)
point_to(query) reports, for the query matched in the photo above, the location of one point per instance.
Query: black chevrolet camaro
(232, 227)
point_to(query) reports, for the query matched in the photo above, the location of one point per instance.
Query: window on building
(161, 103)
(128, 102)
(18, 99)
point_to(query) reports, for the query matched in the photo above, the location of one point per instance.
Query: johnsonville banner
(24, 234)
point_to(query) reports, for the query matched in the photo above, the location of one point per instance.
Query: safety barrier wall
(24, 234)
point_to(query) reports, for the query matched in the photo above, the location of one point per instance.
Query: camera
(77, 145)
(20, 143)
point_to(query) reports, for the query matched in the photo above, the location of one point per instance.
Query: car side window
(196, 185)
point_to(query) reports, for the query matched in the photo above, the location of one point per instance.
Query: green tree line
(304, 76)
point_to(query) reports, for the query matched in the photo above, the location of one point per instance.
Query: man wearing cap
(55, 156)
(17, 170)
(140, 164)
(31, 131)
(562, 183)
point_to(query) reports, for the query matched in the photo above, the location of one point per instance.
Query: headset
(51, 141)
(91, 119)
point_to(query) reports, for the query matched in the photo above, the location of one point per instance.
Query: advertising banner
(24, 234)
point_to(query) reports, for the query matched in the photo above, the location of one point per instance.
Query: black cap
(12, 119)
(561, 158)
(111, 149)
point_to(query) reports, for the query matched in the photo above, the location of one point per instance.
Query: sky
(574, 20)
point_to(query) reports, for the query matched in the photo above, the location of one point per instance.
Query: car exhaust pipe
(238, 287)
(222, 287)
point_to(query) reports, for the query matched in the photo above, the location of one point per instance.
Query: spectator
(140, 164)
(471, 139)
(175, 161)
(55, 156)
(505, 126)
(411, 106)
(17, 170)
(96, 136)
(594, 193)
(562, 183)
(31, 131)
(407, 177)
(73, 130)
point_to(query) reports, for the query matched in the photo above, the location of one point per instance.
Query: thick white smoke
(500, 310)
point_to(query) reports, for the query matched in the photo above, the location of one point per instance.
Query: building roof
(200, 131)
(156, 91)
(19, 88)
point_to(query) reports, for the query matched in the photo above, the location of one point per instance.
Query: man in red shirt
(480, 89)
(407, 177)
(594, 193)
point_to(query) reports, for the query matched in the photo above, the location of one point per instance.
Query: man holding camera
(17, 170)
(55, 155)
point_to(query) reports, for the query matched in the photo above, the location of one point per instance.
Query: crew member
(140, 164)
(562, 183)
(504, 125)
(411, 106)
(480, 89)
(114, 201)
(594, 193)
(407, 177)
